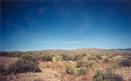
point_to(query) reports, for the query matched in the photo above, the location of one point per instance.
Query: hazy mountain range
(81, 50)
(86, 51)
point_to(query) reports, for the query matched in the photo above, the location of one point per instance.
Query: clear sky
(65, 25)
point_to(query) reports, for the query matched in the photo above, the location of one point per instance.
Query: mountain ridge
(79, 50)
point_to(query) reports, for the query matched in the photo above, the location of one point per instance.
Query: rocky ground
(55, 71)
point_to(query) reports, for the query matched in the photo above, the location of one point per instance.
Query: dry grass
(125, 72)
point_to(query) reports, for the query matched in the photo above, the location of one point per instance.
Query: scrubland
(28, 66)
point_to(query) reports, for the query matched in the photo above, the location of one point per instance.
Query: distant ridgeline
(75, 51)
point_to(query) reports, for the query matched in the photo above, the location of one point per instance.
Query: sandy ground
(55, 71)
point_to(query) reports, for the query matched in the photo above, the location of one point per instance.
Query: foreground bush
(69, 70)
(2, 69)
(104, 76)
(46, 57)
(27, 63)
(81, 71)
(125, 62)
(29, 57)
(23, 65)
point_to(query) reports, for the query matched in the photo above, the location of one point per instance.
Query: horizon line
(62, 49)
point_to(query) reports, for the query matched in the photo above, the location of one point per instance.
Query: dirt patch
(6, 61)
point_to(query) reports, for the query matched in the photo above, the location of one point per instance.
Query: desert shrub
(128, 56)
(85, 63)
(99, 56)
(64, 56)
(81, 71)
(2, 69)
(77, 57)
(125, 62)
(69, 70)
(117, 59)
(27, 63)
(37, 57)
(72, 57)
(110, 56)
(84, 54)
(58, 58)
(92, 57)
(106, 59)
(29, 58)
(81, 64)
(106, 76)
(22, 66)
(46, 57)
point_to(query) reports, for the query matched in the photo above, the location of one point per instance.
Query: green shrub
(46, 57)
(106, 59)
(69, 70)
(81, 71)
(92, 57)
(110, 56)
(58, 58)
(125, 63)
(77, 57)
(27, 63)
(29, 58)
(64, 56)
(99, 56)
(22, 66)
(72, 57)
(106, 76)
(85, 63)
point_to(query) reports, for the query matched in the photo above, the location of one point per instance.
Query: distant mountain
(128, 49)
(78, 51)
(84, 51)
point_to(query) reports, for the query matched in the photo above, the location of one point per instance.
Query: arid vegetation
(106, 76)
(26, 63)
(66, 66)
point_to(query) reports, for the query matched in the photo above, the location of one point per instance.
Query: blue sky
(65, 25)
